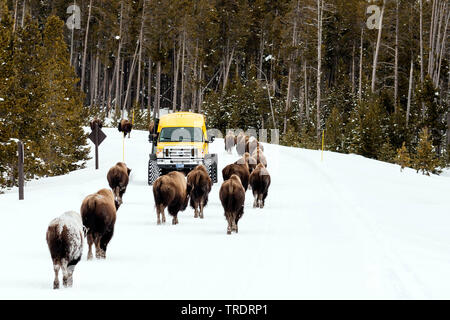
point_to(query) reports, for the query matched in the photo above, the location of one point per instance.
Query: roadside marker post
(20, 168)
(323, 142)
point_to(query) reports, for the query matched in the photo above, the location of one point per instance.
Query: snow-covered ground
(344, 228)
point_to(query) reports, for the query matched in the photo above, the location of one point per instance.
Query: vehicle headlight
(159, 153)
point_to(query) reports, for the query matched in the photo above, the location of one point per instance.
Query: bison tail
(161, 193)
(56, 244)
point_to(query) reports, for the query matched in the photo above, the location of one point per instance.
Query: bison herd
(173, 191)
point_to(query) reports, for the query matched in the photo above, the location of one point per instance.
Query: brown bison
(232, 196)
(240, 170)
(98, 212)
(96, 121)
(241, 142)
(170, 191)
(230, 141)
(260, 182)
(118, 177)
(198, 187)
(65, 242)
(125, 126)
(252, 145)
(259, 156)
(248, 161)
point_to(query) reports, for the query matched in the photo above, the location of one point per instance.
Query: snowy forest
(370, 77)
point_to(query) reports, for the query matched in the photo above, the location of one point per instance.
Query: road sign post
(97, 136)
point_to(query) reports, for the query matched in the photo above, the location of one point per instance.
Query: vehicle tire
(211, 166)
(153, 172)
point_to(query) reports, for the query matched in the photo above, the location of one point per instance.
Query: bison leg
(56, 281)
(65, 272)
(255, 202)
(233, 222)
(195, 211)
(90, 241)
(175, 220)
(201, 209)
(228, 215)
(261, 201)
(99, 252)
(70, 270)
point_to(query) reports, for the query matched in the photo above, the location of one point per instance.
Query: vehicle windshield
(181, 134)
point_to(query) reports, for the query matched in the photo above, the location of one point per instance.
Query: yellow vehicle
(180, 142)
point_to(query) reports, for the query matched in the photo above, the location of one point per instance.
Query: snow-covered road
(344, 228)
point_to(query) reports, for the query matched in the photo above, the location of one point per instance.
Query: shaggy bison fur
(170, 191)
(98, 212)
(232, 196)
(118, 177)
(198, 186)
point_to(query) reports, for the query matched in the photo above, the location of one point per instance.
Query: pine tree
(403, 157)
(387, 152)
(334, 131)
(425, 159)
(66, 140)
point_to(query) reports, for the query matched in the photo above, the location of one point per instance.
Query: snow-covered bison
(170, 191)
(198, 187)
(118, 177)
(125, 126)
(65, 242)
(98, 212)
(241, 170)
(260, 182)
(230, 141)
(232, 196)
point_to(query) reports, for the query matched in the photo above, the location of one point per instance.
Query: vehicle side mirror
(211, 139)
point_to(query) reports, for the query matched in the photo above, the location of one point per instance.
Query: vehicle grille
(177, 153)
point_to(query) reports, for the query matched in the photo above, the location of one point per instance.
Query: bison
(232, 196)
(118, 177)
(125, 126)
(260, 182)
(65, 242)
(241, 142)
(240, 170)
(96, 121)
(98, 212)
(248, 161)
(198, 187)
(259, 156)
(230, 141)
(170, 191)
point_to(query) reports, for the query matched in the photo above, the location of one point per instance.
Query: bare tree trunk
(227, 64)
(261, 54)
(118, 62)
(122, 76)
(71, 39)
(183, 106)
(96, 78)
(396, 58)
(195, 80)
(408, 108)
(377, 50)
(305, 72)
(105, 83)
(175, 78)
(361, 65)
(149, 93)
(141, 39)
(23, 13)
(319, 61)
(353, 69)
(291, 69)
(130, 75)
(441, 52)
(421, 41)
(111, 86)
(15, 15)
(83, 64)
(158, 90)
